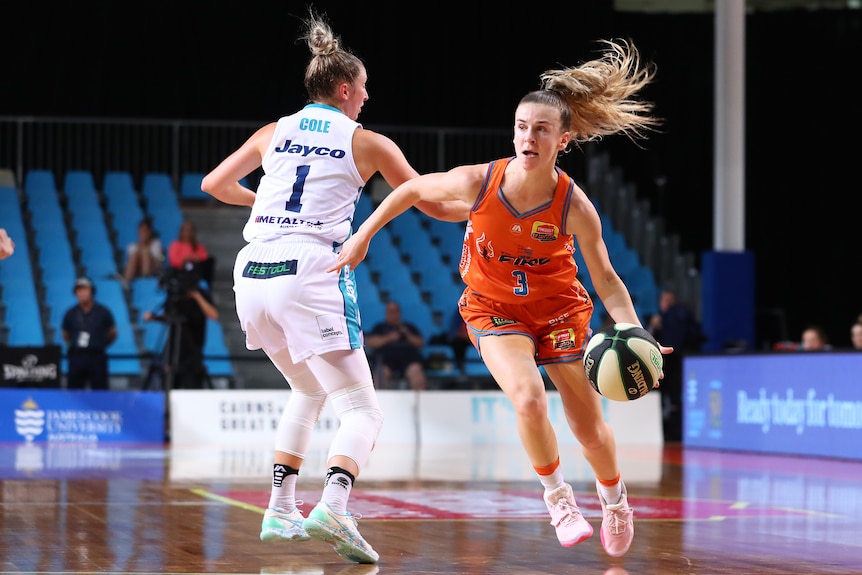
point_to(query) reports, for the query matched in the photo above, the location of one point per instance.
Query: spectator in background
(814, 338)
(144, 258)
(7, 246)
(186, 249)
(856, 335)
(397, 347)
(676, 326)
(188, 254)
(88, 330)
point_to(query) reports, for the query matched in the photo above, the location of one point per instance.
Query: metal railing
(176, 147)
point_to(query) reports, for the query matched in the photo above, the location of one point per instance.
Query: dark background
(432, 64)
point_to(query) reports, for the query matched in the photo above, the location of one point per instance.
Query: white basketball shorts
(285, 298)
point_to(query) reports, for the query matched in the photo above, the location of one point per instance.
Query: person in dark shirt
(676, 326)
(88, 330)
(188, 306)
(397, 350)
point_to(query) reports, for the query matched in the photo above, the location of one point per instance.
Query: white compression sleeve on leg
(303, 408)
(346, 377)
(361, 419)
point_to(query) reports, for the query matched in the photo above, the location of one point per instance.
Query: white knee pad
(361, 419)
(303, 408)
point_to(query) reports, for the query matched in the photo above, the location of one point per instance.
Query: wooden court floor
(159, 509)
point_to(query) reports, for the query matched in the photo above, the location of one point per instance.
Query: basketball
(623, 362)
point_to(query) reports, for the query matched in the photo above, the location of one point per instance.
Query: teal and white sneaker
(279, 526)
(324, 524)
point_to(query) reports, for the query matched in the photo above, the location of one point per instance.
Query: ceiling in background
(751, 5)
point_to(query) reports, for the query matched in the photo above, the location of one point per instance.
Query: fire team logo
(563, 339)
(544, 232)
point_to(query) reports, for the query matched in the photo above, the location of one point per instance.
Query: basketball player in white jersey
(316, 163)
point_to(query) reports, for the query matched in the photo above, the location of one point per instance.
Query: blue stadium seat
(367, 289)
(23, 316)
(364, 207)
(216, 352)
(449, 237)
(22, 312)
(123, 206)
(76, 181)
(166, 223)
(9, 201)
(419, 314)
(445, 295)
(190, 187)
(383, 255)
(625, 262)
(600, 316)
(158, 191)
(371, 312)
(644, 291)
(59, 303)
(473, 364)
(39, 179)
(440, 360)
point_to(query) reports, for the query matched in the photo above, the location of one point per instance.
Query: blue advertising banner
(793, 403)
(91, 417)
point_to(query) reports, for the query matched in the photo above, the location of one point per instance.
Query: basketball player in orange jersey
(523, 304)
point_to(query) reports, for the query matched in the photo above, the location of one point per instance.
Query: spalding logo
(638, 375)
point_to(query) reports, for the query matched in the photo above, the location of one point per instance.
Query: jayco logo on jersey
(290, 148)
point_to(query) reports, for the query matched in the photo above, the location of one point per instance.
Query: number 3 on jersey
(522, 287)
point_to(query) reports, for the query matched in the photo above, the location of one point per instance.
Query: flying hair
(599, 97)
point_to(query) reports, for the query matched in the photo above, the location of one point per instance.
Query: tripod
(166, 367)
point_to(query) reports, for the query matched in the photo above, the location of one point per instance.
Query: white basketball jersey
(310, 184)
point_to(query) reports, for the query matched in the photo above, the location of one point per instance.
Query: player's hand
(353, 251)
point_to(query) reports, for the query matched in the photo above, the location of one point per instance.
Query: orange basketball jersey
(515, 257)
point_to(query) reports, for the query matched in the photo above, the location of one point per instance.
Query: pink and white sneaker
(618, 527)
(566, 518)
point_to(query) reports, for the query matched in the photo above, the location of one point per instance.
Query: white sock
(283, 494)
(336, 490)
(611, 494)
(553, 481)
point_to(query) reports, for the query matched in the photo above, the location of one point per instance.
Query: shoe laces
(617, 518)
(566, 511)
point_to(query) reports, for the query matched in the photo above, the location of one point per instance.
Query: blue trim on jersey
(347, 285)
(325, 106)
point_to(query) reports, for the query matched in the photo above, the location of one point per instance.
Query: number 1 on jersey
(293, 204)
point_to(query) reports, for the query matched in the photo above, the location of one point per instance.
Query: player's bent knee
(360, 419)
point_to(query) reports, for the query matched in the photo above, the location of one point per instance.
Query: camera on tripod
(177, 282)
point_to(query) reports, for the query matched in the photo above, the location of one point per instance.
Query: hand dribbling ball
(623, 362)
